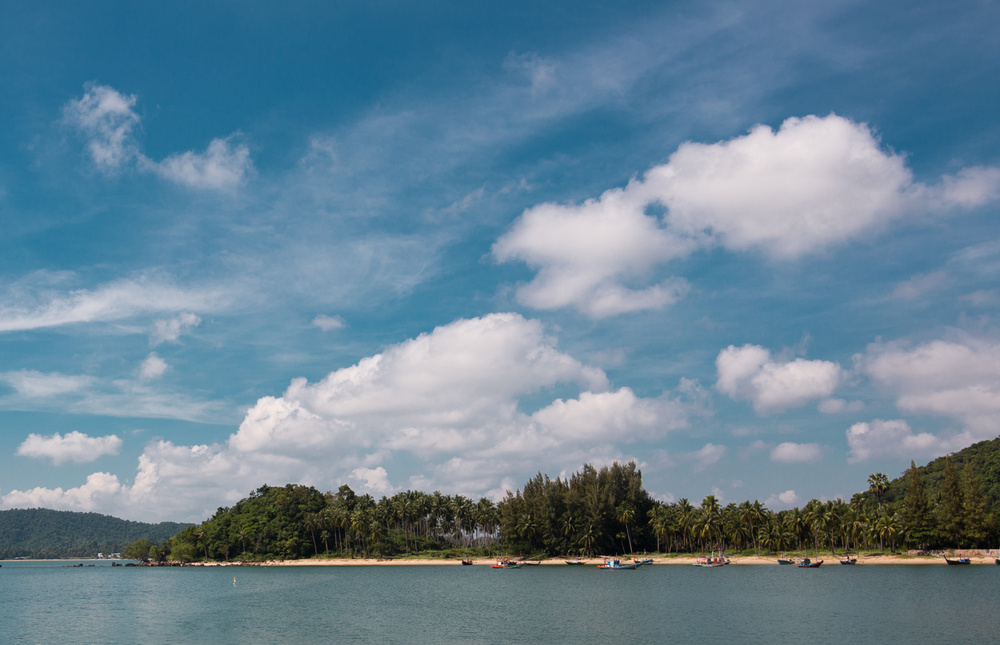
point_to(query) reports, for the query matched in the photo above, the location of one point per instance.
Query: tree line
(48, 534)
(592, 512)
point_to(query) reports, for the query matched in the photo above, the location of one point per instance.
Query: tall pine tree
(916, 510)
(951, 512)
(973, 506)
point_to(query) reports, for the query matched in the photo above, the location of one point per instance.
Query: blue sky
(444, 246)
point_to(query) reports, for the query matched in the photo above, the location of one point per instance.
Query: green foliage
(592, 512)
(43, 533)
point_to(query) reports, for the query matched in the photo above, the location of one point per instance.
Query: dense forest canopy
(951, 502)
(43, 533)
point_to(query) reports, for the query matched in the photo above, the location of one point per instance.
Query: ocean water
(50, 602)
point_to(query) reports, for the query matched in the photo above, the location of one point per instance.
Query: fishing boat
(643, 561)
(849, 561)
(957, 560)
(616, 564)
(467, 561)
(806, 563)
(712, 561)
(785, 561)
(575, 561)
(506, 564)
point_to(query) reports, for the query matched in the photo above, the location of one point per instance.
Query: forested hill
(982, 457)
(44, 533)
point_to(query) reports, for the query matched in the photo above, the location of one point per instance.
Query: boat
(576, 561)
(806, 563)
(506, 564)
(643, 561)
(467, 561)
(616, 564)
(712, 561)
(785, 561)
(849, 561)
(958, 560)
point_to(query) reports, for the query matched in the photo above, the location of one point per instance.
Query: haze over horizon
(753, 246)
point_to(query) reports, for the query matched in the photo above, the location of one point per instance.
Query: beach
(976, 558)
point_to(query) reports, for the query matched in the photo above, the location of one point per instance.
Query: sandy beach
(978, 558)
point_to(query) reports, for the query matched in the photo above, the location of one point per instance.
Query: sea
(55, 602)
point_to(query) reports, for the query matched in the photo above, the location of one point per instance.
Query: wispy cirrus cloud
(86, 394)
(37, 302)
(108, 121)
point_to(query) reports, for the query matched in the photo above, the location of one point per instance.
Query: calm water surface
(43, 602)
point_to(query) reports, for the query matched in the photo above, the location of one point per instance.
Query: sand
(668, 561)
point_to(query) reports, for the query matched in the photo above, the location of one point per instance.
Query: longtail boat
(806, 563)
(958, 560)
(507, 564)
(616, 564)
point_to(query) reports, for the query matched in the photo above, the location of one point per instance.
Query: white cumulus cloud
(895, 439)
(791, 453)
(152, 367)
(98, 493)
(958, 379)
(448, 400)
(814, 183)
(73, 446)
(750, 373)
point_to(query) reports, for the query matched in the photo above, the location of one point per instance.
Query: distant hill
(985, 459)
(44, 533)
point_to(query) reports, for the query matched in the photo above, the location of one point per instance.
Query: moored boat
(616, 564)
(506, 564)
(576, 561)
(712, 561)
(785, 561)
(806, 563)
(643, 561)
(957, 560)
(849, 561)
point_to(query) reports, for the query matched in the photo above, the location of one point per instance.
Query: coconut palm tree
(626, 514)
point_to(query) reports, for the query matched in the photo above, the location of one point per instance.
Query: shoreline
(976, 558)
(878, 560)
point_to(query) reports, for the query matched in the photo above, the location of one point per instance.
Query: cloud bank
(451, 399)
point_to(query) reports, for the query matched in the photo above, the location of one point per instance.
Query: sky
(751, 245)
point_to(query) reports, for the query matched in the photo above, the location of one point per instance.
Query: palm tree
(878, 483)
(626, 514)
